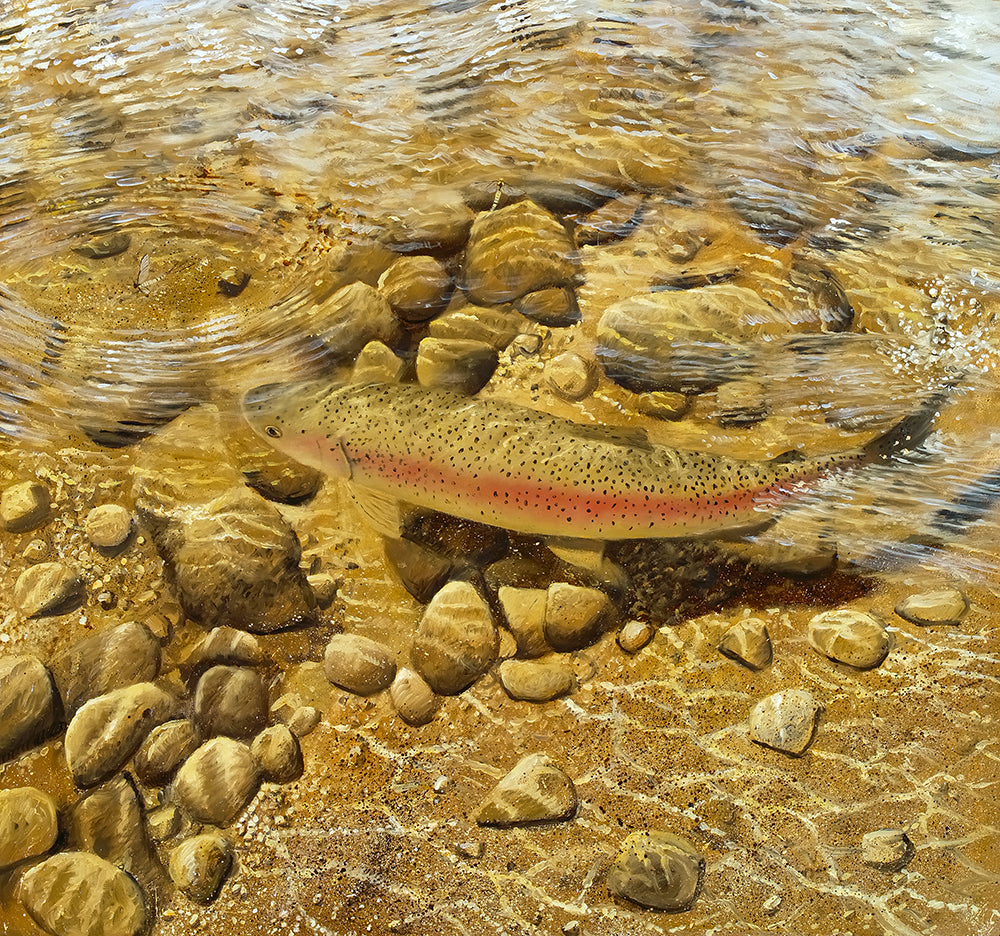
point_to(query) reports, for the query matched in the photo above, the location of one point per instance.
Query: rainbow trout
(514, 467)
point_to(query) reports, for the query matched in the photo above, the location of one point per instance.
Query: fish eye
(273, 431)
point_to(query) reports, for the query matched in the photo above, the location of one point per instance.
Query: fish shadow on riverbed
(677, 579)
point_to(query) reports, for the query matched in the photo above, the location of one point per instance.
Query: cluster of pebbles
(164, 761)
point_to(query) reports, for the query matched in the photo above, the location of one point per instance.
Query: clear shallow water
(276, 139)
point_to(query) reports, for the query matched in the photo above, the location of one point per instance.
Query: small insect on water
(141, 281)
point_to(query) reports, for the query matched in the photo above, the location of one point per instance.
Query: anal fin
(585, 553)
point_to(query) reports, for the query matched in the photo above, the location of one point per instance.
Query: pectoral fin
(382, 512)
(585, 553)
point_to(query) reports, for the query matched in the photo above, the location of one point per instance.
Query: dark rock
(422, 571)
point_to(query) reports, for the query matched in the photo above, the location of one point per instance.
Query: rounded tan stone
(536, 790)
(555, 307)
(358, 664)
(230, 700)
(28, 824)
(217, 781)
(575, 616)
(496, 326)
(785, 721)
(942, 606)
(80, 894)
(377, 363)
(47, 588)
(634, 635)
(524, 610)
(414, 700)
(108, 526)
(886, 849)
(278, 755)
(416, 287)
(536, 680)
(852, 637)
(571, 376)
(108, 730)
(164, 750)
(663, 404)
(456, 641)
(27, 703)
(199, 865)
(657, 870)
(24, 506)
(455, 364)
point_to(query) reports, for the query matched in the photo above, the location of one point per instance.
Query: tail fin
(910, 432)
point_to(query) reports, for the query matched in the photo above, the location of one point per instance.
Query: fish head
(283, 415)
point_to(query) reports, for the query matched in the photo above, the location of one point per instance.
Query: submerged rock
(277, 753)
(112, 659)
(164, 750)
(740, 403)
(657, 870)
(48, 588)
(223, 645)
(496, 326)
(377, 363)
(536, 680)
(109, 822)
(270, 473)
(663, 404)
(575, 616)
(524, 610)
(102, 246)
(555, 307)
(217, 781)
(612, 221)
(78, 894)
(516, 250)
(785, 721)
(421, 570)
(886, 849)
(28, 825)
(635, 635)
(456, 641)
(27, 703)
(233, 557)
(351, 317)
(571, 376)
(536, 790)
(455, 364)
(199, 865)
(108, 730)
(230, 700)
(108, 526)
(414, 700)
(358, 664)
(416, 287)
(943, 606)
(24, 506)
(852, 637)
(747, 642)
(436, 221)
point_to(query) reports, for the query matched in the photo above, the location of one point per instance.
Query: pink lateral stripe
(492, 492)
